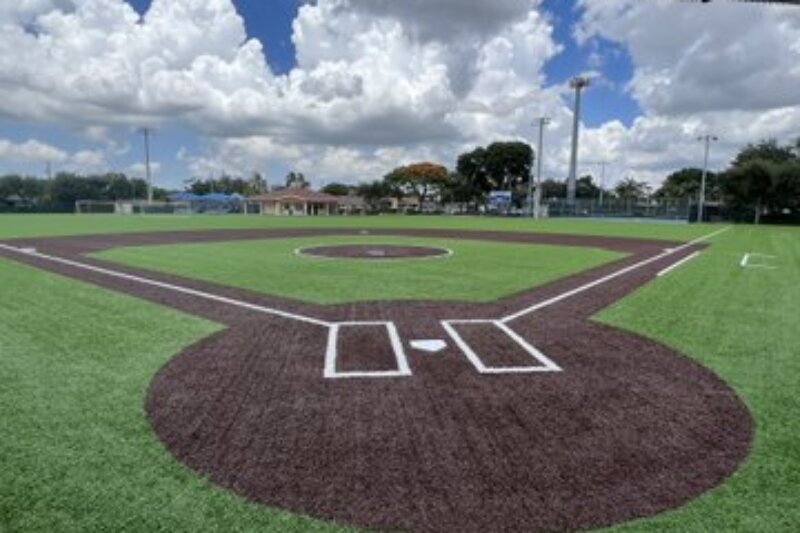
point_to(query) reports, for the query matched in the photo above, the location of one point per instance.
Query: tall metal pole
(602, 180)
(702, 203)
(536, 211)
(146, 134)
(577, 83)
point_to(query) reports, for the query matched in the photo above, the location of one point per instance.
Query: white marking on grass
(304, 252)
(745, 263)
(546, 364)
(169, 286)
(583, 288)
(332, 353)
(679, 264)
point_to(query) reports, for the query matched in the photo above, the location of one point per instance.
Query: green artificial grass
(20, 226)
(478, 271)
(77, 454)
(743, 324)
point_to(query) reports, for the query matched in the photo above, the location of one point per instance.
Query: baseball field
(397, 373)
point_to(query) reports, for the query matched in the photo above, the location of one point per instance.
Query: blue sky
(386, 83)
(271, 23)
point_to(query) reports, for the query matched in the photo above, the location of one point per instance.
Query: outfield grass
(77, 453)
(20, 226)
(743, 324)
(478, 271)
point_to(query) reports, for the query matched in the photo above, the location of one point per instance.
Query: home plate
(430, 346)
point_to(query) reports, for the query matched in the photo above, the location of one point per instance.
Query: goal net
(132, 207)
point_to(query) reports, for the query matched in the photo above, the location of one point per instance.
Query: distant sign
(500, 200)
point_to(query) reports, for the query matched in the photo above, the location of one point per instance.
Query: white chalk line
(677, 265)
(745, 262)
(170, 286)
(583, 288)
(403, 367)
(303, 252)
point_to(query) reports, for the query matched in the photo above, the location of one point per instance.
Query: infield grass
(21, 226)
(77, 454)
(478, 271)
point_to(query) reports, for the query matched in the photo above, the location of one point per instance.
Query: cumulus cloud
(31, 151)
(379, 83)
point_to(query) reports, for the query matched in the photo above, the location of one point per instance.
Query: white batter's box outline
(332, 353)
(544, 363)
(403, 369)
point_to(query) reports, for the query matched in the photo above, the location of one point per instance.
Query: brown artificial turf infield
(628, 429)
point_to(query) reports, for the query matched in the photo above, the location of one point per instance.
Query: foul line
(169, 286)
(678, 264)
(606, 279)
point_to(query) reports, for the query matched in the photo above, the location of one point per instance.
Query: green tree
(686, 183)
(297, 180)
(586, 188)
(374, 194)
(337, 189)
(508, 164)
(767, 150)
(630, 189)
(421, 180)
(751, 185)
(554, 189)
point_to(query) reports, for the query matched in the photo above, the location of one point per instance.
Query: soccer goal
(132, 207)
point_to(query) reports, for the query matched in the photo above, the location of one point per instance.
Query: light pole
(146, 132)
(536, 198)
(578, 84)
(602, 165)
(707, 139)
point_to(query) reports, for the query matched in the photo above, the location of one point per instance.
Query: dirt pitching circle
(374, 251)
(627, 428)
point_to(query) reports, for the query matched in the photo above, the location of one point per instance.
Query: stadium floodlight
(707, 139)
(578, 84)
(146, 133)
(535, 199)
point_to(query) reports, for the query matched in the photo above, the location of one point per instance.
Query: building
(296, 201)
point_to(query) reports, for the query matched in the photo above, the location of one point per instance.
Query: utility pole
(578, 84)
(602, 165)
(535, 200)
(707, 139)
(146, 133)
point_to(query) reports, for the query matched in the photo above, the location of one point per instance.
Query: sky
(346, 90)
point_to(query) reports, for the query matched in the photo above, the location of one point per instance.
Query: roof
(305, 195)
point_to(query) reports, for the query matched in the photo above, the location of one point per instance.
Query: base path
(519, 415)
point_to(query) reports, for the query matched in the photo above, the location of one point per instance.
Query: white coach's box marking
(332, 353)
(430, 346)
(678, 264)
(745, 263)
(545, 363)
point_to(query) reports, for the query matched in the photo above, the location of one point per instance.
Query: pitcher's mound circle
(374, 251)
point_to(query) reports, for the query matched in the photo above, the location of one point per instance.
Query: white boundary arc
(301, 252)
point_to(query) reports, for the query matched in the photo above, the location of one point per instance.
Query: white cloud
(379, 83)
(31, 151)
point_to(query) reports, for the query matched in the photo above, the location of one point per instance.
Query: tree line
(761, 183)
(59, 194)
